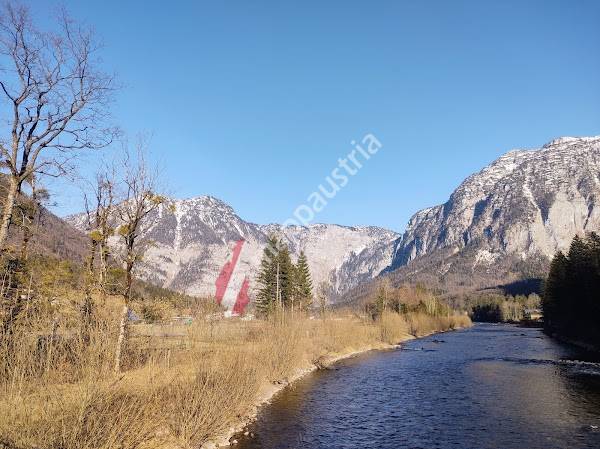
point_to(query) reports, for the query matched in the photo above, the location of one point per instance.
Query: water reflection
(487, 387)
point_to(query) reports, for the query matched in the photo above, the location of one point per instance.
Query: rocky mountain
(508, 220)
(194, 238)
(502, 224)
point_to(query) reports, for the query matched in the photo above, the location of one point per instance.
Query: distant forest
(571, 299)
(499, 308)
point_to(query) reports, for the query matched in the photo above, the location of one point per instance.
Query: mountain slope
(509, 219)
(52, 236)
(500, 225)
(194, 238)
(56, 238)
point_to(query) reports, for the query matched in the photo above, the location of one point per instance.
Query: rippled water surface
(492, 386)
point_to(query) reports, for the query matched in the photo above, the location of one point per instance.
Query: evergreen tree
(286, 276)
(266, 299)
(594, 283)
(276, 278)
(579, 274)
(553, 298)
(303, 289)
(571, 302)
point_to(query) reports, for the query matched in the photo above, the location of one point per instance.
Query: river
(490, 386)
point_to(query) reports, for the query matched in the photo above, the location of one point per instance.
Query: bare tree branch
(57, 95)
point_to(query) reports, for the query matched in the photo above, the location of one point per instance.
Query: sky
(255, 102)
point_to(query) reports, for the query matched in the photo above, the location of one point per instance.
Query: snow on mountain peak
(560, 141)
(193, 238)
(526, 202)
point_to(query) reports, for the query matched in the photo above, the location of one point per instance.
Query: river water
(491, 386)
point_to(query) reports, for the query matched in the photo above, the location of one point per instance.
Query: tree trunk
(103, 263)
(129, 281)
(89, 282)
(27, 230)
(7, 211)
(88, 302)
(27, 234)
(121, 339)
(127, 295)
(32, 207)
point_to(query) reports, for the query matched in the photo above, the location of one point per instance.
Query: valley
(501, 225)
(198, 250)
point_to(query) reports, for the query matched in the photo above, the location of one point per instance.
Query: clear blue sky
(254, 102)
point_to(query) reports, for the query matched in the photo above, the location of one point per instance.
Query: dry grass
(421, 324)
(183, 384)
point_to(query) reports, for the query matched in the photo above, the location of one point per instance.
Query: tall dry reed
(182, 385)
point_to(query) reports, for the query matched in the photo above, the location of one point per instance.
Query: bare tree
(382, 299)
(57, 98)
(99, 203)
(135, 214)
(17, 278)
(323, 297)
(30, 213)
(140, 200)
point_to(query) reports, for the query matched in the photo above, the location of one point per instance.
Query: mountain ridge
(500, 224)
(505, 222)
(193, 239)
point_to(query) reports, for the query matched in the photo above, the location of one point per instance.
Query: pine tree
(571, 302)
(578, 283)
(594, 249)
(266, 299)
(276, 278)
(286, 276)
(304, 287)
(554, 287)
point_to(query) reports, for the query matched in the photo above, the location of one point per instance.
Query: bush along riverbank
(181, 383)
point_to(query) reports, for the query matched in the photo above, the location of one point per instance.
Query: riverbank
(581, 344)
(446, 391)
(181, 386)
(269, 391)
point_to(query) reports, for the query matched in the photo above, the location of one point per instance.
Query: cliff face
(524, 203)
(500, 225)
(507, 221)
